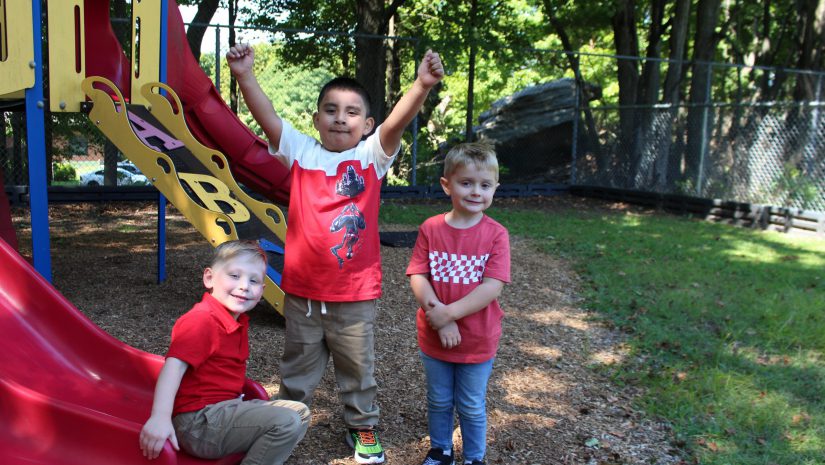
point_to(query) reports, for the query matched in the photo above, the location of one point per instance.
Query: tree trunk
(233, 84)
(20, 169)
(699, 114)
(627, 44)
(471, 30)
(811, 55)
(47, 135)
(196, 30)
(109, 163)
(645, 146)
(666, 172)
(370, 55)
(584, 103)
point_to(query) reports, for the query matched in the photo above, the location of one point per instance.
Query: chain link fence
(761, 152)
(750, 140)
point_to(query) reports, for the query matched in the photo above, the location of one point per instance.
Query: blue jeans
(462, 388)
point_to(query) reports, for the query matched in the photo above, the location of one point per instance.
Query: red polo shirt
(216, 347)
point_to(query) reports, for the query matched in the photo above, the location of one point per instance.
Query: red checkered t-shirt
(456, 262)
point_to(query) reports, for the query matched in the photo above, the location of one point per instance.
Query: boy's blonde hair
(231, 250)
(478, 154)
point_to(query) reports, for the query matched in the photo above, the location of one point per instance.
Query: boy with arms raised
(332, 266)
(459, 265)
(197, 404)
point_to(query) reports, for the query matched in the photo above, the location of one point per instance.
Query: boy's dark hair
(346, 83)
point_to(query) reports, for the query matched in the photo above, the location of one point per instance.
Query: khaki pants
(266, 431)
(345, 331)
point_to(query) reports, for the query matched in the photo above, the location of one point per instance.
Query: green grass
(726, 325)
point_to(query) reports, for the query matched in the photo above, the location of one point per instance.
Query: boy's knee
(293, 425)
(471, 409)
(294, 418)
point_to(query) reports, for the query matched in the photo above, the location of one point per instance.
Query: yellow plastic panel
(213, 224)
(16, 46)
(269, 214)
(67, 62)
(145, 46)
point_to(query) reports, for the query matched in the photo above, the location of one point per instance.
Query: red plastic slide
(71, 394)
(212, 122)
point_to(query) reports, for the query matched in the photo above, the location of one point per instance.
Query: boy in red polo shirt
(197, 404)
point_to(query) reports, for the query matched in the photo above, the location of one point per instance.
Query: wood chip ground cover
(545, 404)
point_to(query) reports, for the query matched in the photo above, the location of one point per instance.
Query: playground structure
(72, 393)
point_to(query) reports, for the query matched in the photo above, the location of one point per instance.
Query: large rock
(533, 131)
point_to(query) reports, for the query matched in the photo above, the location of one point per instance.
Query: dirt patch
(546, 405)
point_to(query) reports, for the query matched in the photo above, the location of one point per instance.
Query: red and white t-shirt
(332, 246)
(216, 347)
(456, 261)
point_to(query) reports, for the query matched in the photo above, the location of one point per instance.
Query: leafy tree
(353, 37)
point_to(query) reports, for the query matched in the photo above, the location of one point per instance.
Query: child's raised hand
(449, 335)
(240, 59)
(154, 435)
(430, 71)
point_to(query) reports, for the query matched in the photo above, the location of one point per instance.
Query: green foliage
(292, 89)
(329, 50)
(725, 327)
(64, 172)
(73, 134)
(795, 187)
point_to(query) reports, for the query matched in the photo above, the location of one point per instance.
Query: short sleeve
(420, 260)
(498, 264)
(193, 338)
(293, 144)
(378, 156)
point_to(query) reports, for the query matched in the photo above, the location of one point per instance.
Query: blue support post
(36, 142)
(164, 14)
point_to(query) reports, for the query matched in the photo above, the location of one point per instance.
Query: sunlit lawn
(727, 325)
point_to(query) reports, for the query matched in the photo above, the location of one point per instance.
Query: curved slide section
(209, 118)
(213, 123)
(71, 394)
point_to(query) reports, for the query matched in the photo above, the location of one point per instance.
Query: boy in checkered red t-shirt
(459, 266)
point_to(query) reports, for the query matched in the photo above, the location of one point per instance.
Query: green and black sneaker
(366, 444)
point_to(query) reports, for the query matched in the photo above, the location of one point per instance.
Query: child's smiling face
(341, 120)
(238, 284)
(471, 189)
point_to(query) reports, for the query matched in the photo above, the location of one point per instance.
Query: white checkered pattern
(457, 269)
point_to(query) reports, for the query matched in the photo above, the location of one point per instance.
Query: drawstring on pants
(309, 308)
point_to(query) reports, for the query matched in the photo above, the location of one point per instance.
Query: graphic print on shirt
(351, 184)
(457, 269)
(352, 221)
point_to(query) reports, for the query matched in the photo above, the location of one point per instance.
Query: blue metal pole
(36, 142)
(161, 198)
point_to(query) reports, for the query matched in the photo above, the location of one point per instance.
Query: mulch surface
(546, 405)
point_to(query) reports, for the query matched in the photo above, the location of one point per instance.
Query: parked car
(124, 178)
(130, 167)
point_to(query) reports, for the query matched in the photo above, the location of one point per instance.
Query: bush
(64, 172)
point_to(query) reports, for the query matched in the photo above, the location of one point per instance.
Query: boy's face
(238, 284)
(341, 120)
(470, 189)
